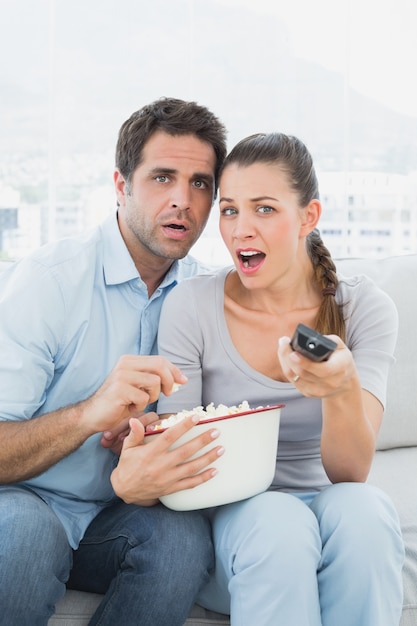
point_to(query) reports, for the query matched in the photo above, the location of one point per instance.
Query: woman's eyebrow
(262, 198)
(256, 199)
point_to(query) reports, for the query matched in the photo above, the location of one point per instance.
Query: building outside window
(73, 71)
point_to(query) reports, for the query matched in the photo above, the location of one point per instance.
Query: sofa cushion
(394, 471)
(398, 277)
(77, 607)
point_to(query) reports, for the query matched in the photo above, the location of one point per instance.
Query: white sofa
(395, 465)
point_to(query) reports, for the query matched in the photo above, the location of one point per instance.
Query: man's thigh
(151, 540)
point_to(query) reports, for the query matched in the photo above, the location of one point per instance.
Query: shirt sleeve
(181, 341)
(31, 323)
(372, 328)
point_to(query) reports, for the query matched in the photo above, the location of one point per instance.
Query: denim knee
(183, 538)
(136, 555)
(35, 557)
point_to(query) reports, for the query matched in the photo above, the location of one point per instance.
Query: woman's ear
(310, 217)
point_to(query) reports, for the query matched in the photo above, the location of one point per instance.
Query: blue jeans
(150, 562)
(328, 559)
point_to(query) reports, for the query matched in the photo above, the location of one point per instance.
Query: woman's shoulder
(205, 283)
(362, 298)
(359, 286)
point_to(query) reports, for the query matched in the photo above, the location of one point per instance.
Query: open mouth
(251, 259)
(176, 226)
(176, 232)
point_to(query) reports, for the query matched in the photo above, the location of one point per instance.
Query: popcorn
(209, 412)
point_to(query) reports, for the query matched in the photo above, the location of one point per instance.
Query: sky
(374, 41)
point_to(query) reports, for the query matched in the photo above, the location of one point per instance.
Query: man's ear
(121, 187)
(311, 217)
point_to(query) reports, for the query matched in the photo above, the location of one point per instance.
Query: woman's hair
(296, 162)
(172, 116)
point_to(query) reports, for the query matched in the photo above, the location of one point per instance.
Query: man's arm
(30, 447)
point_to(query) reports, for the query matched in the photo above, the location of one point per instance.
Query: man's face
(164, 209)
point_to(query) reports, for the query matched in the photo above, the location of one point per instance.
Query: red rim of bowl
(209, 420)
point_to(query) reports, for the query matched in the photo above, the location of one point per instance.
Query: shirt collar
(118, 265)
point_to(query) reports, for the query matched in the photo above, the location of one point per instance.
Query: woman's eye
(228, 211)
(265, 209)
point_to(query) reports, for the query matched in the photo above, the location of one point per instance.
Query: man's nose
(181, 196)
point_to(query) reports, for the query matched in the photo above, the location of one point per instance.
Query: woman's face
(261, 222)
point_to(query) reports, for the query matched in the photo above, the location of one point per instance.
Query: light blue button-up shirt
(67, 313)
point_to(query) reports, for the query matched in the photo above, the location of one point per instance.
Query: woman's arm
(351, 422)
(351, 415)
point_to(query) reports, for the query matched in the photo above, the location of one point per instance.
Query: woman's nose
(243, 228)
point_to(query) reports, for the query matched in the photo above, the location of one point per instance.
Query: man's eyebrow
(204, 176)
(170, 170)
(162, 170)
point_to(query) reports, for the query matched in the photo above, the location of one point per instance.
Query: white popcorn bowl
(247, 466)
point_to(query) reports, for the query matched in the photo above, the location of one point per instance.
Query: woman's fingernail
(220, 451)
(214, 433)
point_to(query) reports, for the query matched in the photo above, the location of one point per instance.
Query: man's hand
(135, 382)
(147, 471)
(114, 438)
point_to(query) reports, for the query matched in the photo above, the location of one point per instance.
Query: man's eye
(200, 184)
(162, 178)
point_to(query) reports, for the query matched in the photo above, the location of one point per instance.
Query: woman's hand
(147, 471)
(318, 379)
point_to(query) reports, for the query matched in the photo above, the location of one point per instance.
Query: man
(75, 319)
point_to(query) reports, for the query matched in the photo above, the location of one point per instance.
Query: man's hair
(172, 116)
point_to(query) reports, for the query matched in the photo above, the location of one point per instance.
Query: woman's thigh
(360, 572)
(267, 548)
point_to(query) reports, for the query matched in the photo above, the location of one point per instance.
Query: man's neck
(153, 276)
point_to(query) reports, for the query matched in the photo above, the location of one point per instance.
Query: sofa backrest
(397, 276)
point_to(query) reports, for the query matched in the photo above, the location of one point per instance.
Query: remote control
(312, 344)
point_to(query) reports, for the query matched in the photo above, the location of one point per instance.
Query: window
(73, 71)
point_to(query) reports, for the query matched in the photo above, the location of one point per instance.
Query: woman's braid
(329, 318)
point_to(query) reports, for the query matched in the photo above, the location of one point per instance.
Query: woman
(320, 547)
